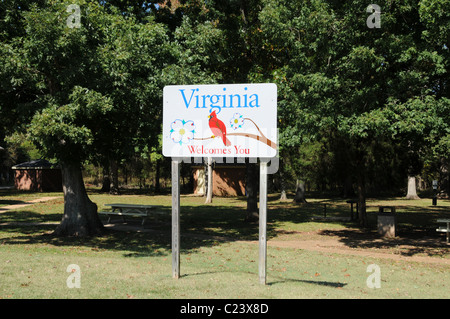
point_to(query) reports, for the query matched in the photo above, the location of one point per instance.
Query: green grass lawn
(219, 256)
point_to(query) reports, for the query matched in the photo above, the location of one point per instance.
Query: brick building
(38, 176)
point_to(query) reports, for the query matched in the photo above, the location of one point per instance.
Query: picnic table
(444, 229)
(351, 202)
(134, 210)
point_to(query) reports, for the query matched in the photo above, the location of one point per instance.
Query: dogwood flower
(182, 131)
(237, 121)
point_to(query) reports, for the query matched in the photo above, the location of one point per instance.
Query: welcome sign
(220, 120)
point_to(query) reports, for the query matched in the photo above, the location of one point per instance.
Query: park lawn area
(219, 252)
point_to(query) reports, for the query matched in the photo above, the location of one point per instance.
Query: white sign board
(220, 120)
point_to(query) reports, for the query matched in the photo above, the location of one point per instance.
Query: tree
(209, 184)
(412, 193)
(63, 133)
(251, 189)
(94, 86)
(437, 35)
(337, 74)
(300, 192)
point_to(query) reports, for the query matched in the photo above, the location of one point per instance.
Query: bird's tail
(226, 141)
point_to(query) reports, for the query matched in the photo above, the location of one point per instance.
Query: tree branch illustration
(262, 138)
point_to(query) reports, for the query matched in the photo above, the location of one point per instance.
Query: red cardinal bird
(218, 128)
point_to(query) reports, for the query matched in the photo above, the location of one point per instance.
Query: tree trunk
(251, 188)
(80, 213)
(283, 195)
(114, 177)
(157, 185)
(125, 175)
(348, 191)
(106, 183)
(412, 194)
(362, 199)
(209, 185)
(300, 192)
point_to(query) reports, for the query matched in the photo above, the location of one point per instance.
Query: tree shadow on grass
(7, 202)
(415, 233)
(201, 226)
(405, 243)
(26, 216)
(130, 243)
(278, 280)
(207, 225)
(313, 282)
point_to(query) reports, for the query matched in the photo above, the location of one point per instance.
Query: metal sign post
(175, 219)
(262, 222)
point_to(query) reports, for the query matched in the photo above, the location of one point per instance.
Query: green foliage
(380, 91)
(349, 95)
(90, 91)
(67, 132)
(20, 149)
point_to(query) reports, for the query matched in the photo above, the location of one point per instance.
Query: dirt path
(405, 247)
(429, 250)
(337, 247)
(25, 204)
(424, 250)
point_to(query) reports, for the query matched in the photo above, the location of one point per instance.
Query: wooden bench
(132, 210)
(444, 229)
